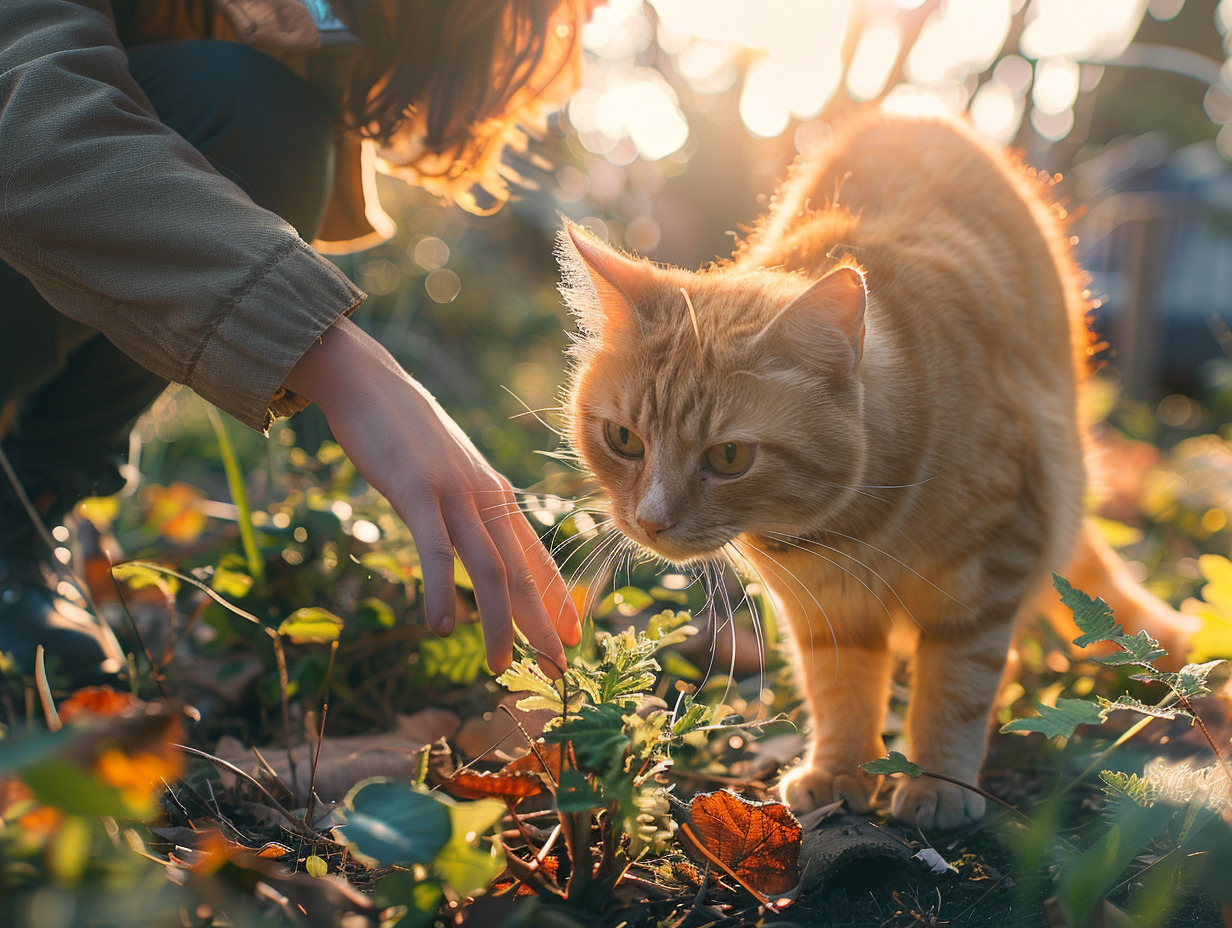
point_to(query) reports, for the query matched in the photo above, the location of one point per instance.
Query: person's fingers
(552, 589)
(529, 613)
(490, 579)
(432, 542)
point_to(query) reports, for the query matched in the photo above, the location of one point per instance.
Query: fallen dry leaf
(757, 842)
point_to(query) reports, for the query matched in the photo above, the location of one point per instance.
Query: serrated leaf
(1128, 703)
(1191, 680)
(892, 763)
(597, 734)
(669, 628)
(312, 625)
(695, 715)
(392, 824)
(1061, 721)
(1092, 616)
(1128, 786)
(524, 676)
(1137, 649)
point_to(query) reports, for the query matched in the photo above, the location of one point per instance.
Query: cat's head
(713, 404)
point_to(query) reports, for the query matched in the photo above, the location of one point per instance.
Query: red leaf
(757, 842)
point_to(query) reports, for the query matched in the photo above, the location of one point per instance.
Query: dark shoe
(38, 608)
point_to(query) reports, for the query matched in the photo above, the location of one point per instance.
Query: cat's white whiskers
(758, 635)
(713, 584)
(580, 539)
(730, 623)
(887, 486)
(535, 413)
(901, 563)
(804, 609)
(792, 541)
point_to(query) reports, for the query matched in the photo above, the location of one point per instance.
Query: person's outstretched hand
(405, 445)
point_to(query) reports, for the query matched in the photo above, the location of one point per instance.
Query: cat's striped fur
(901, 343)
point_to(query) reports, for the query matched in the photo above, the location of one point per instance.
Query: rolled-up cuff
(242, 365)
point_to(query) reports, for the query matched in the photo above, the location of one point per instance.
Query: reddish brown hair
(446, 84)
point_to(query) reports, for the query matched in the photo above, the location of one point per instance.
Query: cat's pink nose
(651, 527)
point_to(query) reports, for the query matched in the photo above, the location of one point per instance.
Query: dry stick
(978, 789)
(284, 684)
(316, 759)
(534, 748)
(1223, 764)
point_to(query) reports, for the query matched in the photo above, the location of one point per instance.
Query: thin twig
(44, 691)
(284, 684)
(226, 765)
(983, 792)
(316, 759)
(1223, 764)
(155, 674)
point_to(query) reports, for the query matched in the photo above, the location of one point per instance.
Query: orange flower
(139, 777)
(175, 511)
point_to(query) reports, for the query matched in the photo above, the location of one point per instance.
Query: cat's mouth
(674, 546)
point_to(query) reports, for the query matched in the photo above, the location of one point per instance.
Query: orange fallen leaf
(272, 850)
(542, 758)
(518, 779)
(98, 700)
(471, 784)
(757, 843)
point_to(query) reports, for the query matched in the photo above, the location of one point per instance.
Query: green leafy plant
(1141, 808)
(619, 740)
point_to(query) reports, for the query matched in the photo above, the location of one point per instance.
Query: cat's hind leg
(954, 683)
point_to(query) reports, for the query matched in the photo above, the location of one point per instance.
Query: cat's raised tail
(1097, 570)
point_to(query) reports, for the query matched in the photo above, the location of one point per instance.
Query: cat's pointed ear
(598, 283)
(826, 323)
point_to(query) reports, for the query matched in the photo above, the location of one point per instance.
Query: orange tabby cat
(874, 408)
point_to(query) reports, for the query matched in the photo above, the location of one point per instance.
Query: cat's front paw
(809, 786)
(929, 803)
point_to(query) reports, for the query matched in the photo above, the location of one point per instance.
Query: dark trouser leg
(69, 396)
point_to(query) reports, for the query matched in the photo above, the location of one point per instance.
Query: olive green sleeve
(122, 225)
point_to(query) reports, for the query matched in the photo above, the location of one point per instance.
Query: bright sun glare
(785, 57)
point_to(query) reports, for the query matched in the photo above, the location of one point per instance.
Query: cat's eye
(731, 458)
(623, 440)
